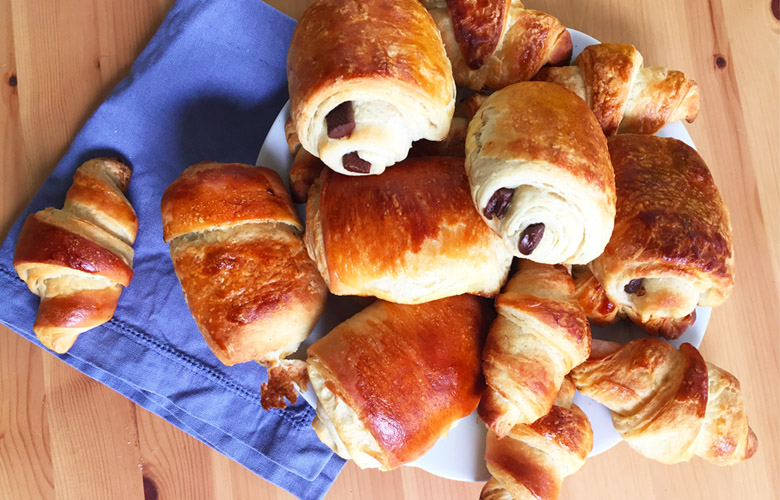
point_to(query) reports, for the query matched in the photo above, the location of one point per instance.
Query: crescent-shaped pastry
(669, 404)
(77, 259)
(540, 334)
(531, 462)
(366, 78)
(394, 378)
(495, 43)
(410, 235)
(671, 248)
(540, 173)
(626, 97)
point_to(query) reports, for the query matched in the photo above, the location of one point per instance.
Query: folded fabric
(206, 88)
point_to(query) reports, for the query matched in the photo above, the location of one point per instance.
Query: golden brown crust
(293, 143)
(77, 259)
(527, 135)
(533, 459)
(494, 491)
(348, 40)
(521, 469)
(540, 335)
(478, 26)
(536, 39)
(213, 195)
(626, 97)
(382, 64)
(89, 308)
(668, 404)
(603, 312)
(671, 223)
(409, 372)
(545, 146)
(47, 244)
(608, 70)
(98, 187)
(498, 43)
(401, 235)
(667, 96)
(235, 246)
(668, 328)
(252, 292)
(591, 297)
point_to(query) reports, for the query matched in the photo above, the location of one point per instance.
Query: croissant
(495, 43)
(671, 248)
(540, 334)
(531, 462)
(78, 259)
(626, 97)
(393, 379)
(366, 79)
(669, 404)
(540, 173)
(236, 247)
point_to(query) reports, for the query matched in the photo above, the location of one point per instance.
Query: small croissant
(540, 334)
(77, 259)
(669, 404)
(624, 96)
(531, 462)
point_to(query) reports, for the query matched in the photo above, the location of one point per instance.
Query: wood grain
(65, 436)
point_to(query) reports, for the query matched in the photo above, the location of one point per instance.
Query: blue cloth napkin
(207, 87)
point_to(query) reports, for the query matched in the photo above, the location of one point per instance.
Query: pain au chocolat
(235, 243)
(410, 235)
(394, 378)
(540, 173)
(671, 249)
(366, 79)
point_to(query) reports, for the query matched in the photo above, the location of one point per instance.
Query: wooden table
(65, 436)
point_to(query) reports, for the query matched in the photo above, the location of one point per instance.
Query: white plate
(460, 455)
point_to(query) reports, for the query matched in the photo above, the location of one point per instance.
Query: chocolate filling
(341, 121)
(635, 286)
(353, 163)
(498, 203)
(530, 238)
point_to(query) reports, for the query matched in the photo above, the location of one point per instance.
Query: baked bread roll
(236, 248)
(669, 404)
(78, 259)
(366, 78)
(532, 461)
(393, 379)
(540, 334)
(671, 248)
(626, 97)
(540, 174)
(408, 236)
(495, 43)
